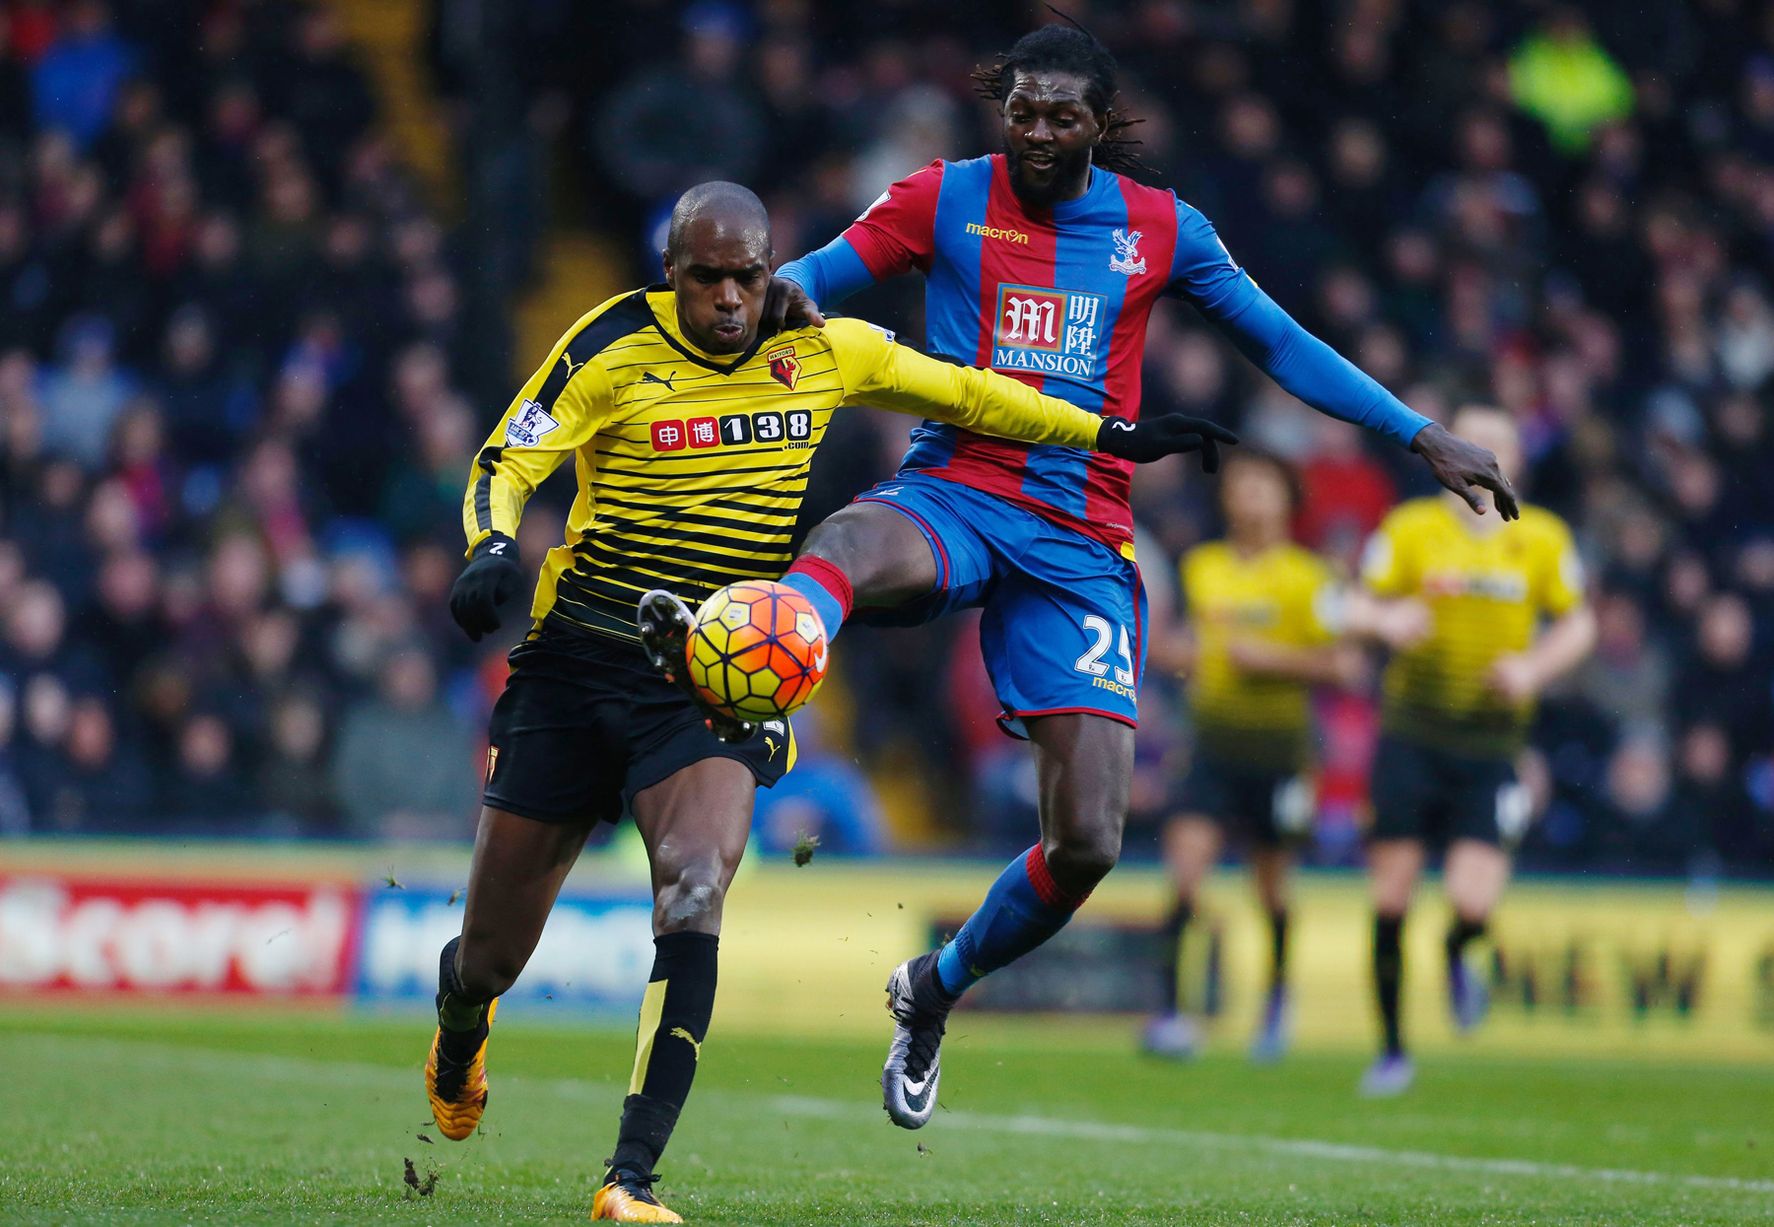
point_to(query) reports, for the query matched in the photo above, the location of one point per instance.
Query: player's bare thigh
(694, 823)
(887, 559)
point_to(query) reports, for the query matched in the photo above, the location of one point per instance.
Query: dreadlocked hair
(1071, 49)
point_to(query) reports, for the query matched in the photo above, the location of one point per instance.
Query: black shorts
(1437, 796)
(585, 723)
(1267, 807)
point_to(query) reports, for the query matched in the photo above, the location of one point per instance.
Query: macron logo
(993, 232)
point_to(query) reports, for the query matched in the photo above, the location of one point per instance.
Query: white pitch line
(1301, 1148)
(365, 1074)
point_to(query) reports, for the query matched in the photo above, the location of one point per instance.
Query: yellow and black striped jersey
(692, 466)
(1284, 595)
(1486, 592)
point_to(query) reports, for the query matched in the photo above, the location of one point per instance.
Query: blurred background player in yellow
(1261, 630)
(1480, 616)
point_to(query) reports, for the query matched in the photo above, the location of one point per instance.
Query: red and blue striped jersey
(1056, 299)
(1059, 298)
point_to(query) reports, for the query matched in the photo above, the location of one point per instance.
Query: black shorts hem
(535, 814)
(762, 778)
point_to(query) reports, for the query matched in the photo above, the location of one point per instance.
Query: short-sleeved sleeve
(1321, 602)
(1561, 582)
(1386, 569)
(897, 233)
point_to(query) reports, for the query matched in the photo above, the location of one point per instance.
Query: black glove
(491, 578)
(1156, 438)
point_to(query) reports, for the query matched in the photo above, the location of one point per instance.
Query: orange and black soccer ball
(757, 650)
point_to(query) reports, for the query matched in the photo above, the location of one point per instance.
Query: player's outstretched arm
(1205, 273)
(881, 373)
(1330, 383)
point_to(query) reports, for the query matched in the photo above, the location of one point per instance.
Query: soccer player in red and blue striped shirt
(1043, 263)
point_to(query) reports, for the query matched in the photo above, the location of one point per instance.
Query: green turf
(169, 1119)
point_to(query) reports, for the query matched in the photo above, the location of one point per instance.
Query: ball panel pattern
(757, 650)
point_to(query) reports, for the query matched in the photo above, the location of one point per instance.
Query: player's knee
(485, 971)
(689, 898)
(836, 541)
(1082, 858)
(886, 559)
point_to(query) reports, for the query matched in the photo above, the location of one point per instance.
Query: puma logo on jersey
(572, 366)
(771, 742)
(650, 377)
(695, 1047)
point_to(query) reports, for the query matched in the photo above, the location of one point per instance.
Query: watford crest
(784, 366)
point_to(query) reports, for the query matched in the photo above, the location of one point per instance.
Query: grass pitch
(280, 1119)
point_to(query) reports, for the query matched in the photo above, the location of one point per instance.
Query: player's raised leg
(694, 824)
(1474, 875)
(868, 554)
(1393, 868)
(519, 865)
(865, 554)
(1192, 844)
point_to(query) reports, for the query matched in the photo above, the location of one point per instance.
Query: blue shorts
(1064, 623)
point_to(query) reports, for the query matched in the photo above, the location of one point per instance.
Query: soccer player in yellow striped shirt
(692, 434)
(1480, 616)
(1263, 628)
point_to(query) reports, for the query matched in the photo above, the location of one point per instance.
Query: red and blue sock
(1023, 908)
(827, 587)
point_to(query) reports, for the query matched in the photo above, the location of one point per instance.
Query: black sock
(457, 1012)
(1461, 932)
(1170, 950)
(1277, 948)
(674, 1019)
(1388, 973)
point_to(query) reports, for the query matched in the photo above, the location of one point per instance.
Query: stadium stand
(239, 388)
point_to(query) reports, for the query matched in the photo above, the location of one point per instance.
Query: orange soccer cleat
(458, 1089)
(628, 1198)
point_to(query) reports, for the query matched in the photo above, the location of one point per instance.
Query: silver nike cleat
(914, 1059)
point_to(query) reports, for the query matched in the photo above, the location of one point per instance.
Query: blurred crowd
(231, 451)
(233, 432)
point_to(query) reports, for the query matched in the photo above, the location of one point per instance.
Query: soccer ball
(757, 650)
